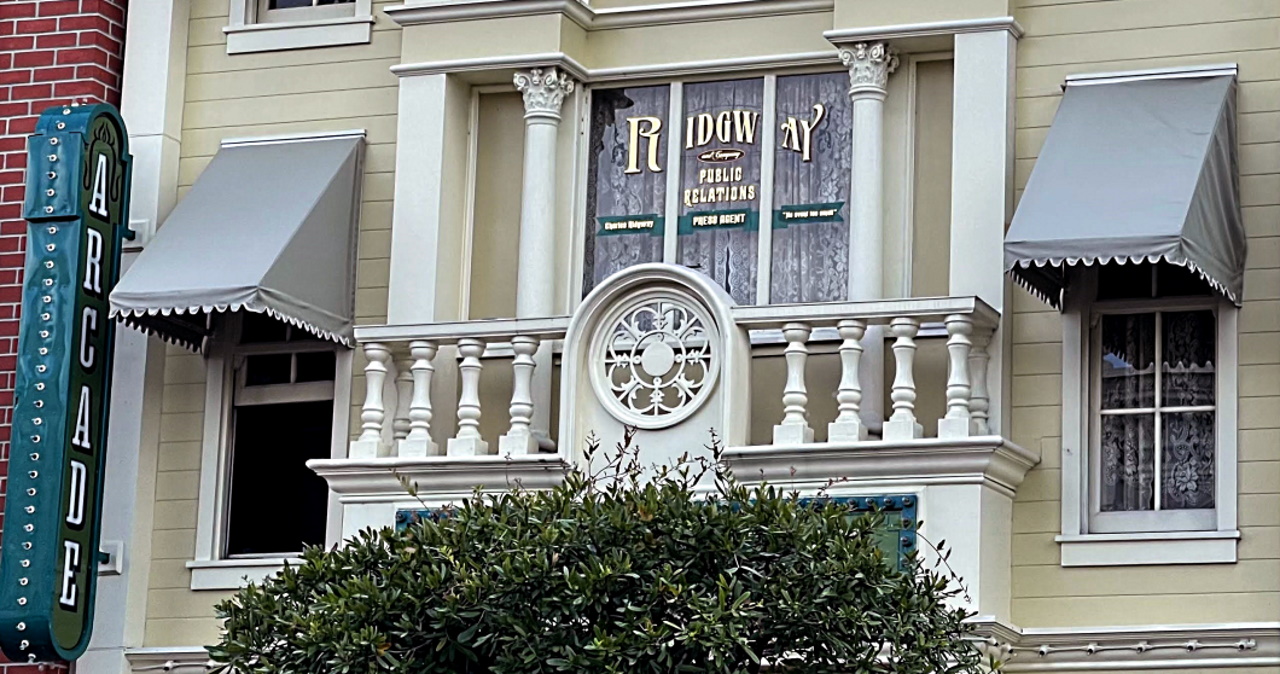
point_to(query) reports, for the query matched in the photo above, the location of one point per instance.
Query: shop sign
(77, 204)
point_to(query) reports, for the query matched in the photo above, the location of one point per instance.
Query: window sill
(233, 574)
(1182, 547)
(261, 37)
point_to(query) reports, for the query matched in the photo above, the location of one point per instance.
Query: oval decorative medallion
(655, 359)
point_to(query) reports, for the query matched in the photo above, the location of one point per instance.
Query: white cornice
(594, 75)
(189, 659)
(843, 36)
(378, 480)
(1139, 647)
(589, 18)
(989, 460)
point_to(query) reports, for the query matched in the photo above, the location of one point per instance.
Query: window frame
(897, 167)
(1169, 537)
(212, 568)
(253, 28)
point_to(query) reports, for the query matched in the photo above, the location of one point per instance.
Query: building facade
(1014, 261)
(51, 52)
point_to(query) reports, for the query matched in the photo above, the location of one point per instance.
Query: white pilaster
(152, 99)
(982, 184)
(870, 65)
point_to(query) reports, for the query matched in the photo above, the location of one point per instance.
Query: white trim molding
(1174, 547)
(609, 18)
(233, 574)
(247, 34)
(168, 659)
(1130, 648)
(845, 36)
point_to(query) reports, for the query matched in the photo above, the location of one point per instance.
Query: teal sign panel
(77, 205)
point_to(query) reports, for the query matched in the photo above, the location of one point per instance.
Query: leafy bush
(609, 572)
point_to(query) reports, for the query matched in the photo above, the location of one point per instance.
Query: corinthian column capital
(544, 91)
(869, 64)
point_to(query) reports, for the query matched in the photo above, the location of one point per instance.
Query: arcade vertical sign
(77, 204)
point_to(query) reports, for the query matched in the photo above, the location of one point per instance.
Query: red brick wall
(51, 52)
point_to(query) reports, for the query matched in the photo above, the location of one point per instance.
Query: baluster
(958, 422)
(468, 441)
(418, 443)
(903, 425)
(404, 389)
(373, 413)
(519, 439)
(848, 426)
(980, 400)
(794, 428)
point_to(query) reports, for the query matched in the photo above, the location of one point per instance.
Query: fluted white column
(958, 423)
(373, 413)
(870, 65)
(848, 426)
(903, 425)
(519, 439)
(418, 442)
(795, 428)
(544, 91)
(468, 441)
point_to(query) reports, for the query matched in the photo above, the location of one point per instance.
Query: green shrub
(609, 572)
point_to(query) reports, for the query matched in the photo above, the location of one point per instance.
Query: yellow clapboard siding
(173, 544)
(1031, 582)
(178, 485)
(379, 129)
(185, 368)
(180, 427)
(179, 456)
(324, 105)
(214, 58)
(1041, 484)
(1065, 19)
(175, 515)
(1107, 45)
(298, 79)
(1037, 359)
(181, 632)
(1260, 477)
(163, 603)
(1046, 80)
(169, 574)
(183, 398)
(1156, 609)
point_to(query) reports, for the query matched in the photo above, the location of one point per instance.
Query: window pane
(288, 4)
(1128, 361)
(1128, 462)
(811, 189)
(1187, 461)
(259, 328)
(274, 368)
(315, 366)
(1187, 373)
(277, 504)
(720, 183)
(1175, 281)
(626, 181)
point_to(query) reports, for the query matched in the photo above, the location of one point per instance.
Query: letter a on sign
(98, 203)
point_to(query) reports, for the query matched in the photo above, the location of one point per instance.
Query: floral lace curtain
(1131, 411)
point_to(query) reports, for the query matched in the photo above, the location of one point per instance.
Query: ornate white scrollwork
(655, 359)
(869, 64)
(544, 91)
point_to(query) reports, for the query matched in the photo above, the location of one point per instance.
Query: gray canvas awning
(267, 228)
(1133, 170)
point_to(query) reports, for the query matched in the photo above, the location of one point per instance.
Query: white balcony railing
(400, 424)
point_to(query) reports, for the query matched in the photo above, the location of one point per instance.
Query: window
(271, 25)
(276, 397)
(282, 416)
(744, 180)
(1155, 413)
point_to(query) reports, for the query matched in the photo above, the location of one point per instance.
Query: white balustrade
(519, 439)
(373, 413)
(468, 441)
(848, 426)
(980, 401)
(404, 389)
(902, 424)
(418, 442)
(958, 423)
(795, 428)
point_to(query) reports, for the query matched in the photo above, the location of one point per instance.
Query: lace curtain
(1129, 442)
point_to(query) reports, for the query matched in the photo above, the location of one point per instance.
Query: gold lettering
(744, 122)
(800, 138)
(706, 126)
(723, 126)
(652, 134)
